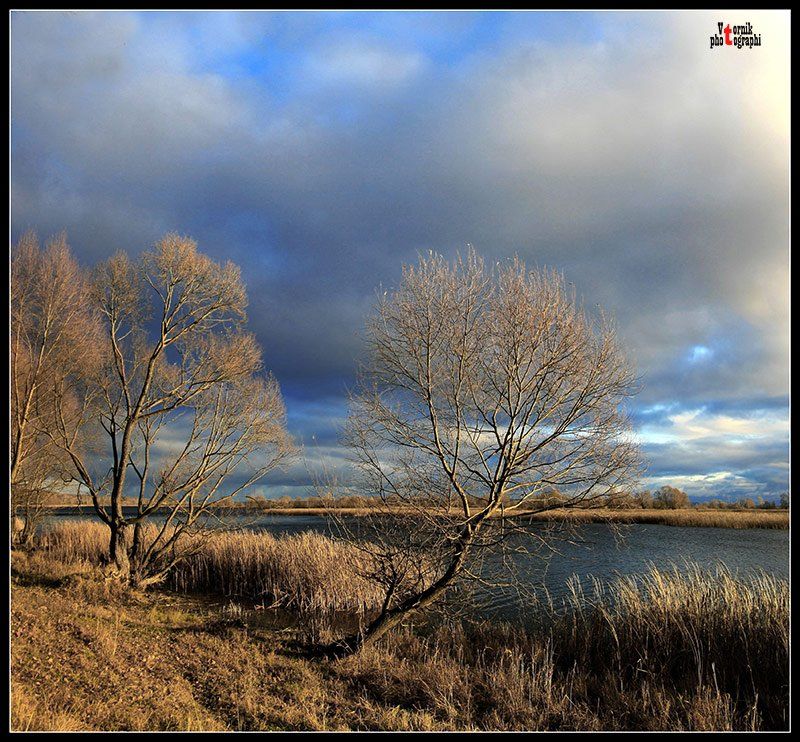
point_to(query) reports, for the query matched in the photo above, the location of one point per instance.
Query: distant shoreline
(687, 517)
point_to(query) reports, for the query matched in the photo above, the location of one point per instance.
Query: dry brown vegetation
(686, 517)
(690, 517)
(306, 572)
(671, 651)
(52, 342)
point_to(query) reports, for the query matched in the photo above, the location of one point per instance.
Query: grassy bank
(689, 517)
(306, 572)
(672, 651)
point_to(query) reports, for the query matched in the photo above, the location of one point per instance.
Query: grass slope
(672, 653)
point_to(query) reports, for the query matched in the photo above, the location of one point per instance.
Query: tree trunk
(20, 531)
(26, 538)
(24, 528)
(118, 549)
(138, 577)
(391, 617)
(120, 546)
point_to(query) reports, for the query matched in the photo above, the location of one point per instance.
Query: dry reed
(686, 518)
(688, 649)
(306, 572)
(669, 650)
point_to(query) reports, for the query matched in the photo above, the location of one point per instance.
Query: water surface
(594, 550)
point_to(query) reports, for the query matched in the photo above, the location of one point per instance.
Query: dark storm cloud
(321, 153)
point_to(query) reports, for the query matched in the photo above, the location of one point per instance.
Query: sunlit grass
(306, 571)
(670, 649)
(680, 517)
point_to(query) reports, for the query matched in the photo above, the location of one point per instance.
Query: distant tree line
(664, 498)
(747, 503)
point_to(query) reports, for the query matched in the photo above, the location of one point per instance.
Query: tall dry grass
(672, 650)
(72, 542)
(668, 650)
(690, 517)
(690, 630)
(306, 572)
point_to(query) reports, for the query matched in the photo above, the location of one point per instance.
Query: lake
(594, 550)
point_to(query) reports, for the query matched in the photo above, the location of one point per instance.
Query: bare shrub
(53, 338)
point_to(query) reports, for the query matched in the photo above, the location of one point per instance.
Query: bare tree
(644, 499)
(486, 390)
(53, 339)
(671, 498)
(185, 418)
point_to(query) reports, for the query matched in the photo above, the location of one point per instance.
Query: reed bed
(671, 650)
(687, 517)
(690, 629)
(72, 542)
(306, 572)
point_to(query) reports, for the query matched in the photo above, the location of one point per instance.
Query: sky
(322, 151)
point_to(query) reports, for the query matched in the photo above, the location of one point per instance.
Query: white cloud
(363, 63)
(696, 425)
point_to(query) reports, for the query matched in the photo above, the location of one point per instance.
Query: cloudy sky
(321, 151)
